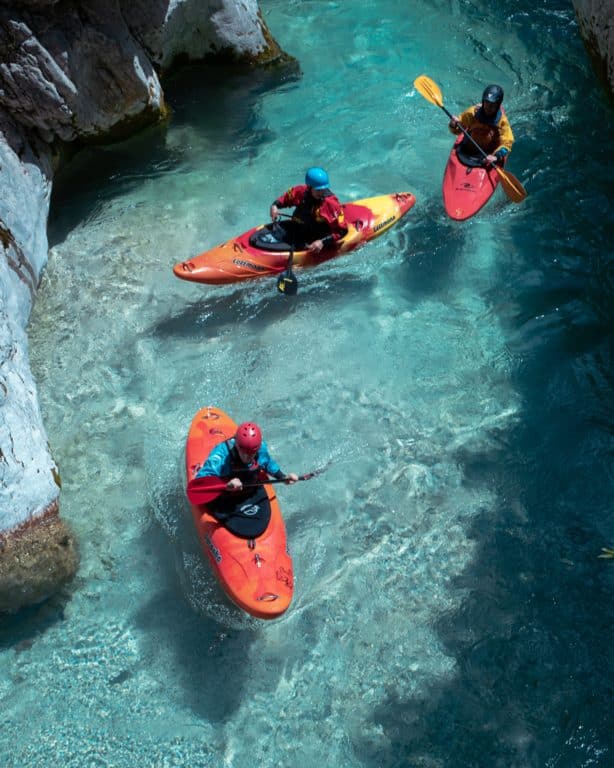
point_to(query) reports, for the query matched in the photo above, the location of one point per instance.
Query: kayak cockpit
(281, 237)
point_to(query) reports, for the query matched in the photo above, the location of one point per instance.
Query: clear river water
(451, 608)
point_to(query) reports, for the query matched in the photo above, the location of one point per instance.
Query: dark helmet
(493, 94)
(248, 437)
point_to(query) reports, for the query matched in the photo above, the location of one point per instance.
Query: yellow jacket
(494, 136)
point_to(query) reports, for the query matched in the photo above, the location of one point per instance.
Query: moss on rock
(36, 561)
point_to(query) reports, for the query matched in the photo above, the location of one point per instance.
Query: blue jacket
(222, 463)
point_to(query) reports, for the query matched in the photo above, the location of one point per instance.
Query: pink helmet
(248, 437)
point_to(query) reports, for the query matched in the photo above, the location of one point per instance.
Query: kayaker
(488, 125)
(318, 220)
(243, 459)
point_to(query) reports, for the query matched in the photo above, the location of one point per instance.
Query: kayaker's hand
(315, 247)
(274, 212)
(291, 478)
(454, 125)
(234, 485)
(491, 159)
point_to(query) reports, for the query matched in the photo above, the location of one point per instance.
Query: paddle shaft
(466, 132)
(201, 491)
(224, 486)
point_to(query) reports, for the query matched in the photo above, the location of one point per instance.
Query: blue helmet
(317, 178)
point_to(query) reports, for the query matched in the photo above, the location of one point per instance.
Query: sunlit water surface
(450, 606)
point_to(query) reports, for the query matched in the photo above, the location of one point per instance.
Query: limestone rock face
(197, 30)
(72, 70)
(596, 22)
(78, 75)
(28, 487)
(27, 481)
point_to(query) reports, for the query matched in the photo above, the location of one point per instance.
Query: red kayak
(466, 188)
(254, 568)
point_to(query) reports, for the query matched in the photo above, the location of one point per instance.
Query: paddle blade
(287, 284)
(511, 186)
(204, 490)
(429, 89)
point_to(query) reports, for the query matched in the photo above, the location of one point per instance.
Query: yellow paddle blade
(511, 186)
(429, 89)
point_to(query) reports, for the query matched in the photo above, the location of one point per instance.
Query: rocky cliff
(73, 71)
(596, 22)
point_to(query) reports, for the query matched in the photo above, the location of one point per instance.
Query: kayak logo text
(383, 224)
(217, 555)
(249, 265)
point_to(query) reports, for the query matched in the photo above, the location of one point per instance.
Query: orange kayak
(239, 259)
(256, 573)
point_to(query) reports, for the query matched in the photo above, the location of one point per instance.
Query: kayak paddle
(287, 282)
(203, 490)
(431, 92)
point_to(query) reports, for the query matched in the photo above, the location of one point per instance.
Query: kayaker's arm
(272, 468)
(289, 479)
(290, 198)
(506, 138)
(331, 211)
(464, 120)
(454, 125)
(318, 245)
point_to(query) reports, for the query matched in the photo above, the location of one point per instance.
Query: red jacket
(325, 215)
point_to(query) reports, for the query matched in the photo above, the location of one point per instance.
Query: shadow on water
(433, 244)
(234, 126)
(214, 312)
(208, 656)
(531, 640)
(210, 639)
(21, 630)
(533, 681)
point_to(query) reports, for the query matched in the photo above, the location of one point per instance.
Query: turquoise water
(450, 607)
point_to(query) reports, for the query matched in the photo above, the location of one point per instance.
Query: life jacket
(485, 132)
(245, 513)
(252, 473)
(307, 215)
